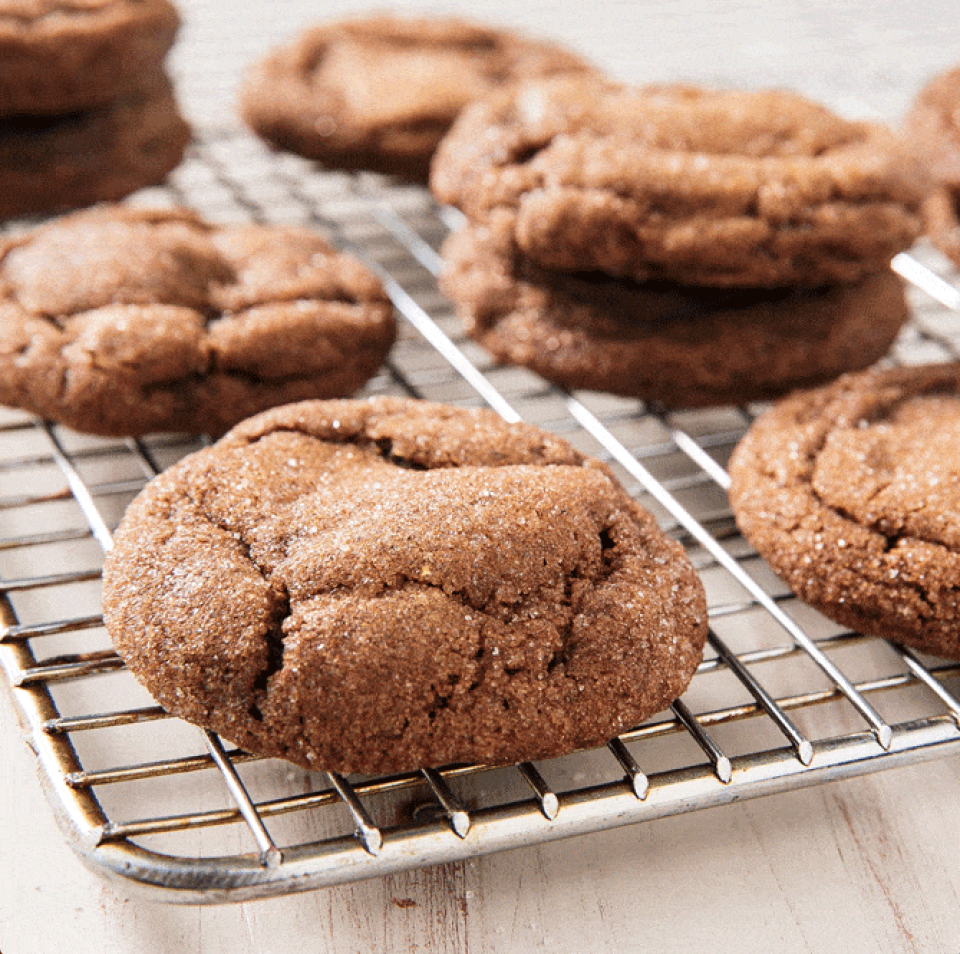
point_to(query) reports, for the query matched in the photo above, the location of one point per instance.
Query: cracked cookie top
(373, 586)
(706, 187)
(122, 321)
(852, 494)
(379, 92)
(55, 163)
(61, 56)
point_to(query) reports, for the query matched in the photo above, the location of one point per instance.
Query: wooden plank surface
(866, 865)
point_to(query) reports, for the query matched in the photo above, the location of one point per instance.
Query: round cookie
(683, 346)
(850, 492)
(124, 321)
(933, 131)
(377, 586)
(54, 163)
(379, 92)
(64, 56)
(699, 187)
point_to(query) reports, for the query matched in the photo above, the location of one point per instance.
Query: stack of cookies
(675, 244)
(87, 112)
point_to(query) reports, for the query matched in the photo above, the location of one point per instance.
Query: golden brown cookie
(55, 163)
(123, 321)
(728, 188)
(379, 92)
(376, 586)
(852, 493)
(684, 346)
(67, 56)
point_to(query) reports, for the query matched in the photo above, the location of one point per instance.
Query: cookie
(933, 131)
(701, 187)
(124, 321)
(379, 92)
(378, 586)
(56, 163)
(850, 492)
(66, 56)
(684, 346)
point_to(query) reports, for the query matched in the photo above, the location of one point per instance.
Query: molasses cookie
(55, 163)
(933, 130)
(680, 184)
(684, 346)
(376, 586)
(380, 92)
(850, 492)
(67, 56)
(122, 321)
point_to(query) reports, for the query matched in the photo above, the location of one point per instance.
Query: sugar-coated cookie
(66, 56)
(683, 346)
(851, 492)
(379, 92)
(382, 585)
(703, 187)
(123, 321)
(933, 131)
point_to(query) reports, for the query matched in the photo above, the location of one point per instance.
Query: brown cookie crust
(679, 345)
(695, 186)
(52, 164)
(379, 92)
(850, 492)
(123, 321)
(63, 56)
(376, 586)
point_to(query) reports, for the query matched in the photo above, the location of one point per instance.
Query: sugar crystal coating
(680, 345)
(708, 187)
(123, 321)
(852, 493)
(376, 586)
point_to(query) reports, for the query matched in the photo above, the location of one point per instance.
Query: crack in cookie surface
(155, 320)
(852, 494)
(711, 187)
(499, 598)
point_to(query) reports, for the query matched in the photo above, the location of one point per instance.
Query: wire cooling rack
(783, 699)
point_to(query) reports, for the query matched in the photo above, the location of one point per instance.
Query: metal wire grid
(783, 699)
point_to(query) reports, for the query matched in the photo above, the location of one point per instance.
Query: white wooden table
(869, 864)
